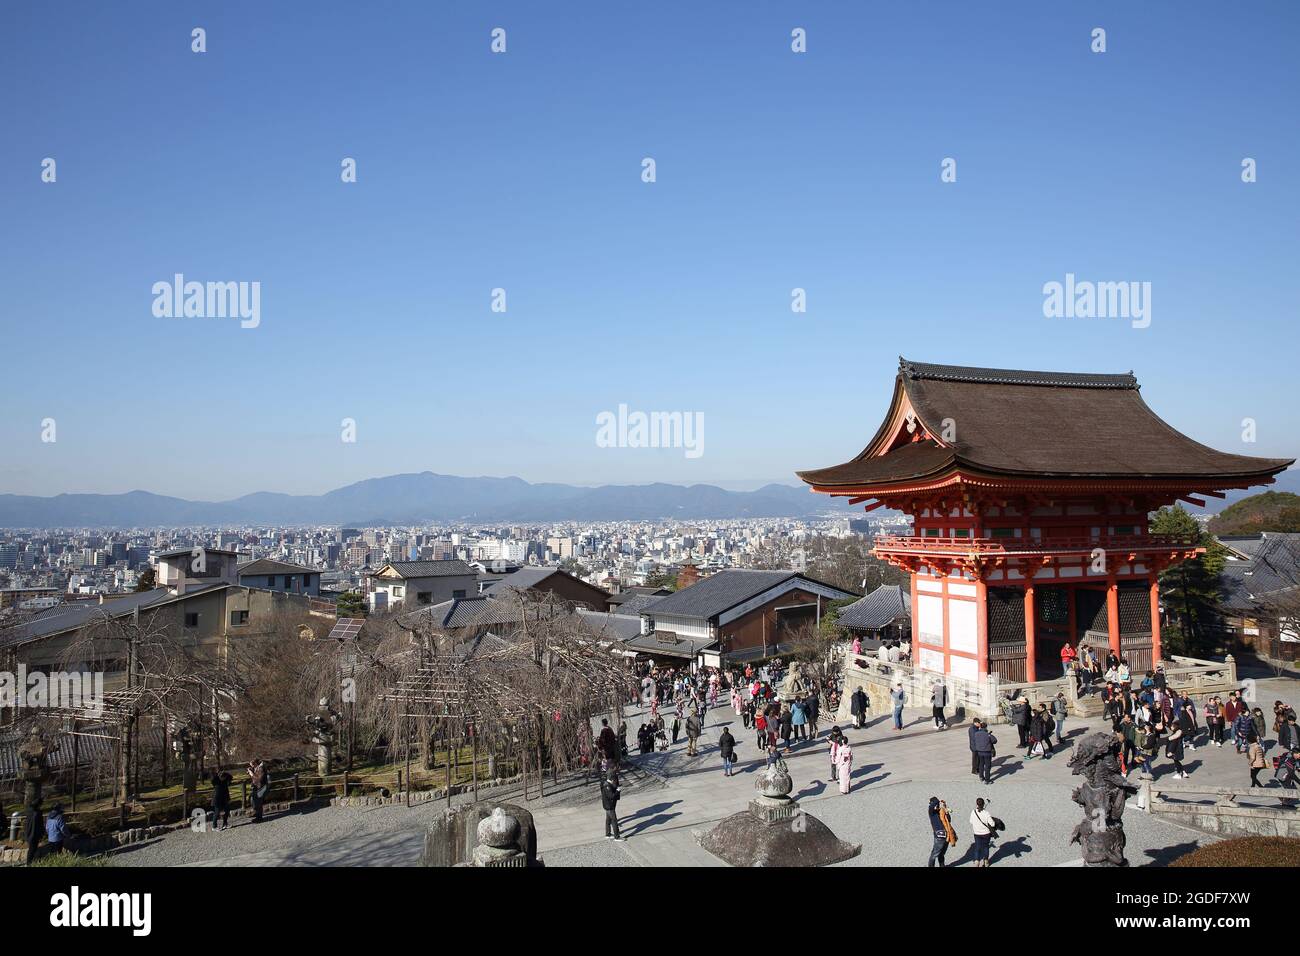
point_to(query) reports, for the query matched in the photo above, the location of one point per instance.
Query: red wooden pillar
(1031, 647)
(982, 625)
(1155, 619)
(1112, 615)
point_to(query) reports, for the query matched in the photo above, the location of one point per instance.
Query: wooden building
(742, 614)
(553, 581)
(1029, 494)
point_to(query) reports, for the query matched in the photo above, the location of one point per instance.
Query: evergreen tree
(1190, 589)
(351, 604)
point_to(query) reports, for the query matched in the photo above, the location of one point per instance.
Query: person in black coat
(727, 748)
(1038, 731)
(858, 707)
(1020, 717)
(609, 794)
(221, 799)
(982, 743)
(970, 735)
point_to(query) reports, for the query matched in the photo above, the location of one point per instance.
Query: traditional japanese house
(1029, 494)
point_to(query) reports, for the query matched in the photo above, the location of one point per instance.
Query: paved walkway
(668, 796)
(894, 775)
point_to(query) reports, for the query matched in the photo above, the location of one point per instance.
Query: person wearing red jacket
(1231, 711)
(1068, 656)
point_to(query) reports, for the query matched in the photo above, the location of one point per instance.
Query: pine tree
(1190, 589)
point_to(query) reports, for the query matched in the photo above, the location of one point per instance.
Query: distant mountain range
(416, 498)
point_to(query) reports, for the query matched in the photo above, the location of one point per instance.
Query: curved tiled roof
(881, 607)
(1035, 424)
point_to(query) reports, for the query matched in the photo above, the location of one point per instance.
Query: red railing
(916, 544)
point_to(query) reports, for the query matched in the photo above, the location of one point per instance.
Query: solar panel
(347, 628)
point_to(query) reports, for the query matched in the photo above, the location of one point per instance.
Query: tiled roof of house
(272, 566)
(1273, 568)
(430, 569)
(722, 591)
(881, 607)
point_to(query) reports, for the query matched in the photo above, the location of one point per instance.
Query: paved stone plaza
(667, 796)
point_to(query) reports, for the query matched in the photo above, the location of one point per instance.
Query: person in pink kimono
(835, 739)
(844, 764)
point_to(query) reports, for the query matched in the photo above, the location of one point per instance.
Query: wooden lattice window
(1053, 605)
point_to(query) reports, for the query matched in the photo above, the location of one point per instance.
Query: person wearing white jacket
(983, 827)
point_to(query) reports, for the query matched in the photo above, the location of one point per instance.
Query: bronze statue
(1102, 796)
(796, 684)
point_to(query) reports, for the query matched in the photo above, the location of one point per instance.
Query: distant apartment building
(413, 583)
(198, 601)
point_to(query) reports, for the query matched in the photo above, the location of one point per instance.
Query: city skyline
(820, 171)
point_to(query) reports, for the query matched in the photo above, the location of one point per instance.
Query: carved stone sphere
(499, 830)
(775, 781)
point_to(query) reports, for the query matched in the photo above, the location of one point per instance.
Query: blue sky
(523, 171)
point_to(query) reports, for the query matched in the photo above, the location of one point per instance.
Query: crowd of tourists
(1148, 717)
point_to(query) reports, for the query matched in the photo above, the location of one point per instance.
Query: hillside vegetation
(1270, 511)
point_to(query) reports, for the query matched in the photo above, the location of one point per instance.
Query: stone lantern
(498, 841)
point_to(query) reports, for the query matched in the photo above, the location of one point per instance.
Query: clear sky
(523, 171)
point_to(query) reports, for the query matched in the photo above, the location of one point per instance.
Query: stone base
(452, 838)
(773, 811)
(800, 839)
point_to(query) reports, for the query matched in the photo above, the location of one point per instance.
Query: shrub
(1245, 851)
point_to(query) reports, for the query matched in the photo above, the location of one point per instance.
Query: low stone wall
(420, 796)
(92, 846)
(965, 698)
(1233, 821)
(1224, 816)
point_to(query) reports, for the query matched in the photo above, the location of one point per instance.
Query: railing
(996, 547)
(321, 606)
(1158, 794)
(980, 698)
(1199, 677)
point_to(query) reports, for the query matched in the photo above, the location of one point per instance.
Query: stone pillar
(1155, 619)
(1031, 645)
(324, 753)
